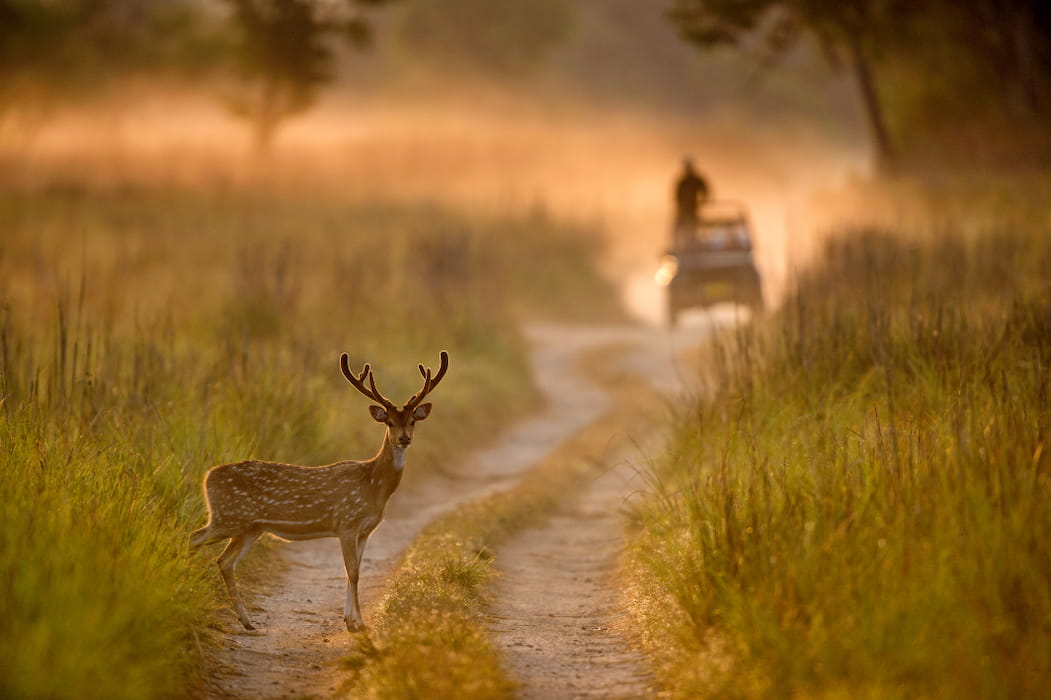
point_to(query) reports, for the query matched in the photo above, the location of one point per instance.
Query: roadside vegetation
(858, 503)
(147, 334)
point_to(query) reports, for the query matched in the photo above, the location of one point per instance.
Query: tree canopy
(54, 49)
(1006, 42)
(848, 32)
(283, 53)
(918, 65)
(271, 56)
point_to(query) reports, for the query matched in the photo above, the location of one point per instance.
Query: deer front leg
(227, 563)
(352, 546)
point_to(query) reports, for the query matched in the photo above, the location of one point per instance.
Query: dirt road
(301, 633)
(558, 613)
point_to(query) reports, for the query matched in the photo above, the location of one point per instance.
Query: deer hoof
(354, 625)
(248, 624)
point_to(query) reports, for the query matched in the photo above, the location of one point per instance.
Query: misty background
(580, 108)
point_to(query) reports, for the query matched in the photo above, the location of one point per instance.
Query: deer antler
(358, 382)
(429, 382)
(387, 403)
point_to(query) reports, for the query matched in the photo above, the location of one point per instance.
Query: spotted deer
(344, 499)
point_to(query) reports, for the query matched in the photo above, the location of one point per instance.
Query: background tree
(1014, 40)
(54, 52)
(848, 31)
(970, 84)
(975, 75)
(283, 53)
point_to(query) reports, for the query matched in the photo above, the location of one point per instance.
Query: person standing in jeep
(691, 191)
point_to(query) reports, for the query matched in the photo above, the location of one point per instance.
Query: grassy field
(148, 334)
(858, 504)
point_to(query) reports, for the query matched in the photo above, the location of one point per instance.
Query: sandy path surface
(299, 615)
(557, 613)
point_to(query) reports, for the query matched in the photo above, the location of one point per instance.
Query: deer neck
(388, 466)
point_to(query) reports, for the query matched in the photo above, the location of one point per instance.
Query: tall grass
(147, 335)
(860, 507)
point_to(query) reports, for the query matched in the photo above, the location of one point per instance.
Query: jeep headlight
(669, 267)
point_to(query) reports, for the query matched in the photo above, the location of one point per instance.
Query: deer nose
(404, 440)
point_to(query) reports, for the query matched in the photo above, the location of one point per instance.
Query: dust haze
(488, 146)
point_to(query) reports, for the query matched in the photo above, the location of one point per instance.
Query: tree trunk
(266, 118)
(886, 156)
(264, 134)
(1019, 31)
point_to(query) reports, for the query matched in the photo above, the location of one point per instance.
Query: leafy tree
(283, 52)
(850, 31)
(1014, 38)
(54, 51)
(971, 83)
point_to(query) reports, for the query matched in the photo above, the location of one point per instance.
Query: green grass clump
(103, 450)
(146, 336)
(429, 642)
(860, 507)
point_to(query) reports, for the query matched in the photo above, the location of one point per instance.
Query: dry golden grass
(859, 507)
(147, 333)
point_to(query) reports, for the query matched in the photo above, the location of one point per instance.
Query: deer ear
(422, 411)
(378, 414)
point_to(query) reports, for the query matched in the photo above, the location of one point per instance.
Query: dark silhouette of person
(690, 192)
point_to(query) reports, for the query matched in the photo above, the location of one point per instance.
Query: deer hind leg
(199, 538)
(353, 545)
(227, 563)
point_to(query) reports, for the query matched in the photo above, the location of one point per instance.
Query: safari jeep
(711, 263)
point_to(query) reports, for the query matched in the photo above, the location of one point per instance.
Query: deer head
(400, 422)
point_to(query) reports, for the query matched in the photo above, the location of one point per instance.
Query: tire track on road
(558, 613)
